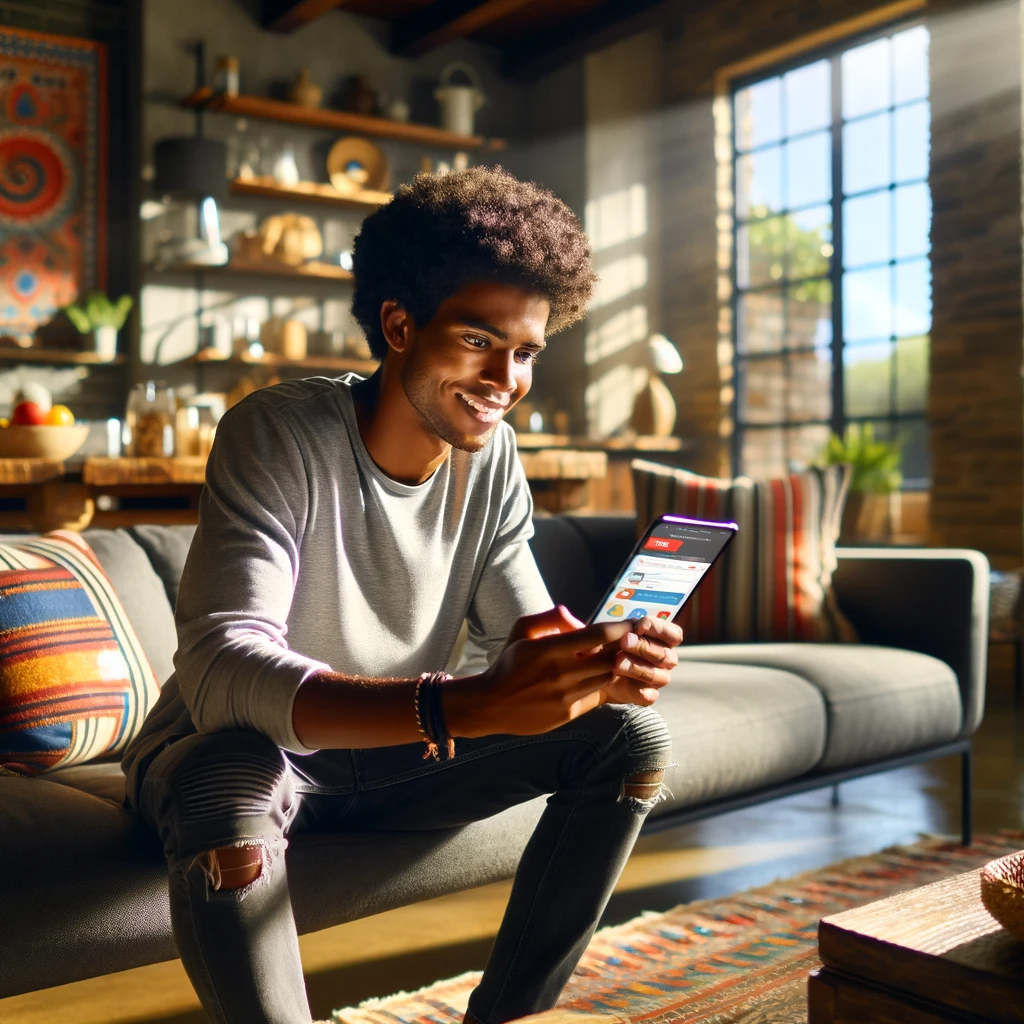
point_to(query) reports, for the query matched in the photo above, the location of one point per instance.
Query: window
(831, 272)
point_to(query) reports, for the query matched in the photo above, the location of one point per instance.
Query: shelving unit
(336, 120)
(267, 268)
(342, 363)
(56, 357)
(324, 195)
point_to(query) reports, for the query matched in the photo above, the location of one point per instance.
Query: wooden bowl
(1002, 892)
(57, 443)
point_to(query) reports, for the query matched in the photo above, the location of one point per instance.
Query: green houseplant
(102, 319)
(873, 506)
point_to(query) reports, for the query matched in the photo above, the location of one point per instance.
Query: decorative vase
(459, 102)
(654, 409)
(304, 91)
(871, 517)
(361, 97)
(104, 341)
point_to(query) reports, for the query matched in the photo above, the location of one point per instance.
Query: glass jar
(149, 421)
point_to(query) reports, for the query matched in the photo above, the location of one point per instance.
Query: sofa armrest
(931, 600)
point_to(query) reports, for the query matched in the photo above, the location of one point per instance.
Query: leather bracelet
(430, 716)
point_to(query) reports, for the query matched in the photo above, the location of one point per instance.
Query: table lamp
(193, 169)
(654, 409)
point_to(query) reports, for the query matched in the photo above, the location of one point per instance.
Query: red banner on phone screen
(662, 544)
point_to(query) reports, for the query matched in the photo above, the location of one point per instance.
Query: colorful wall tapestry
(52, 175)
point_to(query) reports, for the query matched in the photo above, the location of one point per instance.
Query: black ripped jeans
(239, 946)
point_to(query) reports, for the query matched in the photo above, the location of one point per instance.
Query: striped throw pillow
(74, 681)
(774, 582)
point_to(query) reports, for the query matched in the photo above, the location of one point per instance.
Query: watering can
(459, 102)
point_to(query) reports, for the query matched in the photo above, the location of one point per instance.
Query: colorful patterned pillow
(74, 681)
(774, 583)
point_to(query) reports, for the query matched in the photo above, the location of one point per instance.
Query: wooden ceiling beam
(446, 20)
(288, 15)
(599, 27)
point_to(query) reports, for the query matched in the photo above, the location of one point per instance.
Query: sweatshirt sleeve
(511, 584)
(233, 664)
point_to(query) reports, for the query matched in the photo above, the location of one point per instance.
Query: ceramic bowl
(58, 443)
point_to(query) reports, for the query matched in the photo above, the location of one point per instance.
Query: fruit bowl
(58, 443)
(1002, 892)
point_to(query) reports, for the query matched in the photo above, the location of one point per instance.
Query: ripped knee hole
(231, 867)
(643, 785)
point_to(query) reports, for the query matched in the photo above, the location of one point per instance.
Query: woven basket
(1002, 892)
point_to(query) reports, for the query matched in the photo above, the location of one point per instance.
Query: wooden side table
(932, 955)
(559, 477)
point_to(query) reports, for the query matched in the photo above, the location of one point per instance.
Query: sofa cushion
(713, 711)
(142, 594)
(167, 548)
(98, 904)
(75, 683)
(881, 702)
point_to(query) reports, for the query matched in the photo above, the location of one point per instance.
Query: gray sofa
(82, 885)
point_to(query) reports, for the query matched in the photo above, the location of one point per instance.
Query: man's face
(474, 360)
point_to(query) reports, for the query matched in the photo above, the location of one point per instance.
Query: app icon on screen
(635, 577)
(637, 613)
(625, 594)
(614, 609)
(664, 615)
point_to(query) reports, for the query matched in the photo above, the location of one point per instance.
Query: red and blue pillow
(75, 684)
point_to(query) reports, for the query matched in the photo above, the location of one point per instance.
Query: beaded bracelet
(430, 715)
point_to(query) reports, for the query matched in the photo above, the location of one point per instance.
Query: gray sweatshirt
(308, 557)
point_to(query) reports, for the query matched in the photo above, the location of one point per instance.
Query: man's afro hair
(444, 231)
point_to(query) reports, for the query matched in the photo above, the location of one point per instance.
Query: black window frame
(839, 420)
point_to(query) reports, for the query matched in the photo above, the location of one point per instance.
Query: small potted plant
(873, 506)
(102, 319)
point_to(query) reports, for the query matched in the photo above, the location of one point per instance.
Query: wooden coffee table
(926, 956)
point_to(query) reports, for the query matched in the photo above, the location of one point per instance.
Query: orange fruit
(60, 416)
(4, 423)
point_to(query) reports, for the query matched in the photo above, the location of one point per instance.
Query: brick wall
(975, 395)
(975, 404)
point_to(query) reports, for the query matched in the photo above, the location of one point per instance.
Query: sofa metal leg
(966, 810)
(835, 795)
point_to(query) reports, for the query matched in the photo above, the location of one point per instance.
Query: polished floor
(413, 946)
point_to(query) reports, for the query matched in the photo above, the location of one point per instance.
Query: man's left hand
(645, 663)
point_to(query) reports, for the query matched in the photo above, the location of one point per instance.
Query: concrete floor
(412, 946)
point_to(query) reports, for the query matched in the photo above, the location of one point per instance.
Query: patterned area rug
(741, 960)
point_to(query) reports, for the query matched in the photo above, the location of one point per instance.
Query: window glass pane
(810, 386)
(759, 323)
(762, 398)
(867, 85)
(761, 251)
(809, 315)
(808, 170)
(866, 154)
(804, 445)
(867, 304)
(867, 379)
(772, 451)
(910, 58)
(810, 242)
(759, 183)
(912, 374)
(913, 205)
(867, 232)
(759, 114)
(913, 298)
(914, 447)
(913, 141)
(808, 95)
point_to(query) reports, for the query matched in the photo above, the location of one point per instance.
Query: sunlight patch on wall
(610, 399)
(615, 334)
(618, 279)
(616, 217)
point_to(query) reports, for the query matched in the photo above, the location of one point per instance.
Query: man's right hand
(538, 683)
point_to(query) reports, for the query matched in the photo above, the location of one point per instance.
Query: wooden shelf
(640, 443)
(101, 471)
(56, 357)
(343, 363)
(17, 472)
(336, 120)
(323, 195)
(263, 268)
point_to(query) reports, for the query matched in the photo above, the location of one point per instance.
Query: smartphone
(666, 565)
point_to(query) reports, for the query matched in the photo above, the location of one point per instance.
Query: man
(345, 533)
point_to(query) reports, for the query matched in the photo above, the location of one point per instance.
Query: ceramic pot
(304, 91)
(459, 102)
(104, 342)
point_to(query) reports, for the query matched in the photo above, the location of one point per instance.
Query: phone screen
(665, 568)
